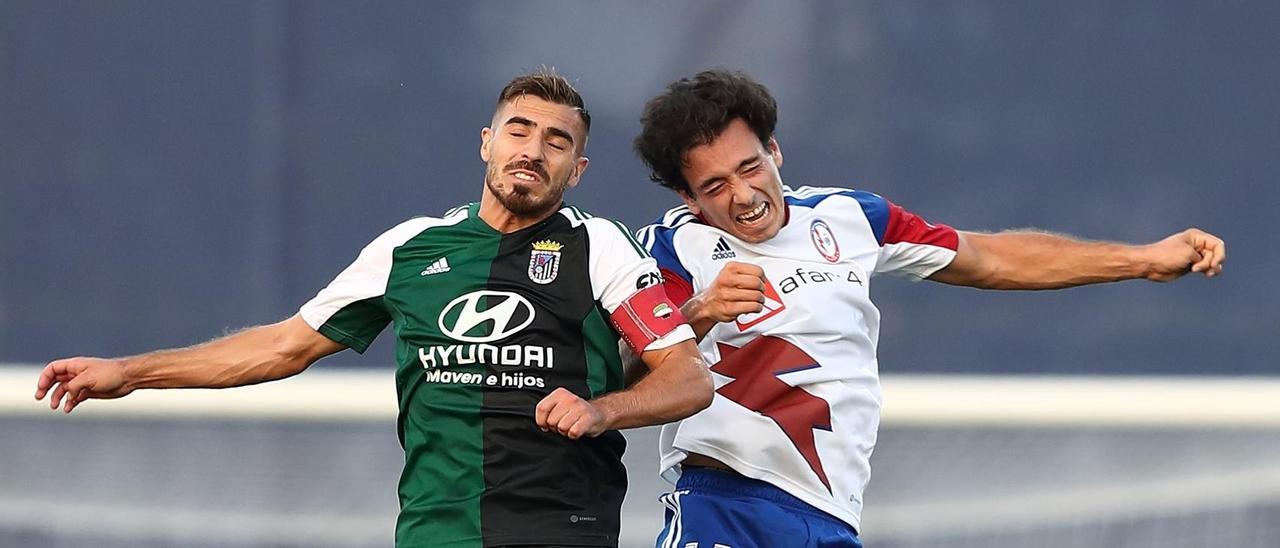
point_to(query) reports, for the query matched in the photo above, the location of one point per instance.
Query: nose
(532, 150)
(742, 192)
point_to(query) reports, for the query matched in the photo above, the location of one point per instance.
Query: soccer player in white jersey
(775, 283)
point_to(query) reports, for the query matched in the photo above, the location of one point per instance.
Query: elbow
(702, 390)
(993, 278)
(982, 262)
(290, 355)
(291, 365)
(291, 361)
(995, 275)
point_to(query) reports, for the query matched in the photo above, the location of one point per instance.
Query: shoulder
(662, 231)
(602, 232)
(659, 239)
(411, 228)
(847, 202)
(815, 196)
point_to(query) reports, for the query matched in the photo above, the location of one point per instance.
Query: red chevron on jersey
(773, 306)
(756, 386)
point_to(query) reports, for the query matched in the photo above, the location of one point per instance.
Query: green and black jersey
(486, 325)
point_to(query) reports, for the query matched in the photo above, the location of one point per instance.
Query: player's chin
(754, 234)
(526, 203)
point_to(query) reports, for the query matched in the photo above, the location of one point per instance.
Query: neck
(497, 216)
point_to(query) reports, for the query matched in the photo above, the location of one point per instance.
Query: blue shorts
(717, 509)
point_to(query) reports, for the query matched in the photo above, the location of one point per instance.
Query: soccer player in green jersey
(508, 316)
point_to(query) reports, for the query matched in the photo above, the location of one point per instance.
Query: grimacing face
(734, 184)
(533, 152)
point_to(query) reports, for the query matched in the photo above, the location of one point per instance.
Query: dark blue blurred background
(173, 170)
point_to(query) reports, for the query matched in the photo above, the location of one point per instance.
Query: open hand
(79, 379)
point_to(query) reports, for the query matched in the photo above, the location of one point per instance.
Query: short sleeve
(910, 246)
(659, 242)
(350, 310)
(621, 268)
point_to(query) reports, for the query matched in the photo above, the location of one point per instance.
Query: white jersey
(797, 399)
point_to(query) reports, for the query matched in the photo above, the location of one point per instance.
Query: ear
(486, 135)
(580, 167)
(775, 151)
(689, 201)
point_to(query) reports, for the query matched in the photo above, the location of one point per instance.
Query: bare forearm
(251, 356)
(668, 393)
(1039, 260)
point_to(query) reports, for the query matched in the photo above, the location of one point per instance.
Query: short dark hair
(548, 86)
(692, 112)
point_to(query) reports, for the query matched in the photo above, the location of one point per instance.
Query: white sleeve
(619, 268)
(347, 310)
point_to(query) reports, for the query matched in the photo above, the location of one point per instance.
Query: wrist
(609, 409)
(130, 375)
(1143, 262)
(695, 314)
(692, 309)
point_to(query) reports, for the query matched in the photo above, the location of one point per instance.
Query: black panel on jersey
(533, 478)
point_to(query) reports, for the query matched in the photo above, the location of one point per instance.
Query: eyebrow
(555, 131)
(705, 182)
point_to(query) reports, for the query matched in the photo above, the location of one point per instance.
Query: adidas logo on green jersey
(440, 266)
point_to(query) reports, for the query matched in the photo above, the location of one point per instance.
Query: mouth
(526, 176)
(755, 217)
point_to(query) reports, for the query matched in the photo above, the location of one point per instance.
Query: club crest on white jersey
(824, 240)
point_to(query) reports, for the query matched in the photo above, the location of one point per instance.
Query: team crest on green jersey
(544, 261)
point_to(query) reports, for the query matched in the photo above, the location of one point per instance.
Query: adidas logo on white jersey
(440, 266)
(722, 251)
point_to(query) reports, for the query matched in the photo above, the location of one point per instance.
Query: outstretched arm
(676, 386)
(1038, 260)
(251, 356)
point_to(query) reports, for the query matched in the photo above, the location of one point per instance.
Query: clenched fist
(573, 417)
(1192, 250)
(737, 290)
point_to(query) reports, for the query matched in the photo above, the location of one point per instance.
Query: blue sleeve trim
(659, 240)
(873, 206)
(877, 211)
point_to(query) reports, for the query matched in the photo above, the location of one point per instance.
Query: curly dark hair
(692, 112)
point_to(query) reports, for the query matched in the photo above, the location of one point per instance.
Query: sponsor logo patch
(485, 316)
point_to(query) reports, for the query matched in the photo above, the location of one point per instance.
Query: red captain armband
(645, 317)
